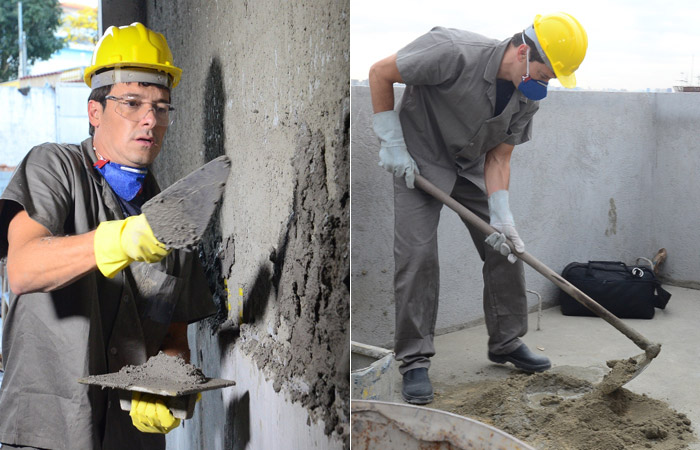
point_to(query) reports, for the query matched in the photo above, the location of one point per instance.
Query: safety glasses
(135, 109)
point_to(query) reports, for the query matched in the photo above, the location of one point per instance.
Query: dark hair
(99, 95)
(517, 40)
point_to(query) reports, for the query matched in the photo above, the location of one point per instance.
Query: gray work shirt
(93, 326)
(447, 109)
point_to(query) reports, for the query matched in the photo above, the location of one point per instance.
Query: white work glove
(393, 154)
(502, 220)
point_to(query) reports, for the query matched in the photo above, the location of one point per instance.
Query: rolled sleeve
(520, 130)
(41, 185)
(429, 60)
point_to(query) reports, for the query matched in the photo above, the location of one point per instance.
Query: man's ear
(95, 111)
(522, 52)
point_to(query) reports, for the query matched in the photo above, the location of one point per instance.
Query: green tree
(40, 20)
(81, 28)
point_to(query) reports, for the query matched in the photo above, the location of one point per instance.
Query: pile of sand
(556, 411)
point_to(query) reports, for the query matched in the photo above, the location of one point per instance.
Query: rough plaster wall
(581, 189)
(676, 190)
(266, 83)
(121, 12)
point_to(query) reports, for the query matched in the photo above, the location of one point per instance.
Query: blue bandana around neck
(125, 181)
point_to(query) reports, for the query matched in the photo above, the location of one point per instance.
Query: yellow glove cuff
(118, 243)
(109, 255)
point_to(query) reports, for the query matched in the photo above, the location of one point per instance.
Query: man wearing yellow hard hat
(93, 290)
(469, 100)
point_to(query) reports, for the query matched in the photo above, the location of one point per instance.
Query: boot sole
(502, 359)
(417, 400)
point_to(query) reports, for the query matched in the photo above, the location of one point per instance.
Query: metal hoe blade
(180, 214)
(624, 371)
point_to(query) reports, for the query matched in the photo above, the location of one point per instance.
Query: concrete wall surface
(267, 83)
(606, 176)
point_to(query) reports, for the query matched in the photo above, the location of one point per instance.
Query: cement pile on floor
(557, 411)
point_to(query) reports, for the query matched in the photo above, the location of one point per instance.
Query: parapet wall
(606, 176)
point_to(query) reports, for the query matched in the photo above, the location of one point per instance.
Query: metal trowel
(179, 398)
(622, 371)
(180, 214)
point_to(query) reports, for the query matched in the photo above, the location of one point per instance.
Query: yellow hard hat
(135, 53)
(564, 42)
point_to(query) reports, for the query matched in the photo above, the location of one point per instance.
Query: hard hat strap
(530, 32)
(130, 75)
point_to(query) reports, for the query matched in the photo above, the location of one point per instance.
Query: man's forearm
(497, 168)
(42, 263)
(175, 342)
(382, 76)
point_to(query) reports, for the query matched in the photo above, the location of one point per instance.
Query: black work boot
(523, 359)
(416, 387)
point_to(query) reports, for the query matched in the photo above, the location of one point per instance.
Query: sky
(632, 45)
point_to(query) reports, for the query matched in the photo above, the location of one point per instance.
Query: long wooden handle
(533, 262)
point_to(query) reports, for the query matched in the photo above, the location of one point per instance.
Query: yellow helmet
(564, 42)
(134, 53)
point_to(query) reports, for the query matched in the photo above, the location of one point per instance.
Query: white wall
(25, 121)
(607, 176)
(38, 117)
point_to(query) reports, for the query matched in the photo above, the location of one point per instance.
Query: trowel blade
(181, 213)
(158, 386)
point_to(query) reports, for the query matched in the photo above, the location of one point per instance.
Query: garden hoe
(621, 372)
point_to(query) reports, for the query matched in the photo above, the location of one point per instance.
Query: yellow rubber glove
(150, 415)
(118, 243)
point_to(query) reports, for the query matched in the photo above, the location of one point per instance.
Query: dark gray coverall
(93, 326)
(447, 116)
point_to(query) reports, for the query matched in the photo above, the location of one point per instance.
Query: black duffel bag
(630, 292)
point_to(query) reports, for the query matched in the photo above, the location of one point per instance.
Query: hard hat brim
(568, 81)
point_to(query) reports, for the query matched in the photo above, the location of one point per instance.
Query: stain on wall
(267, 84)
(612, 219)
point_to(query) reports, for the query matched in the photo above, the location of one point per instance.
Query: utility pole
(22, 45)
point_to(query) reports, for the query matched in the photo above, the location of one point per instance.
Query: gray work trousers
(417, 276)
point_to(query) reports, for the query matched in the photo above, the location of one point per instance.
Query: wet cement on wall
(266, 83)
(308, 344)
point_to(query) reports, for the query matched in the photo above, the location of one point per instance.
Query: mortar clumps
(583, 417)
(162, 368)
(623, 370)
(307, 350)
(180, 215)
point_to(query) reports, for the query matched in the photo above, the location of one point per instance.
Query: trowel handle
(533, 262)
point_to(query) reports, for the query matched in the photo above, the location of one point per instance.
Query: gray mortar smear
(180, 214)
(313, 297)
(161, 374)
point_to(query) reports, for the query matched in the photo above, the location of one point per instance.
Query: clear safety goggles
(135, 110)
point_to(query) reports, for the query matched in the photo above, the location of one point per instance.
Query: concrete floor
(583, 344)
